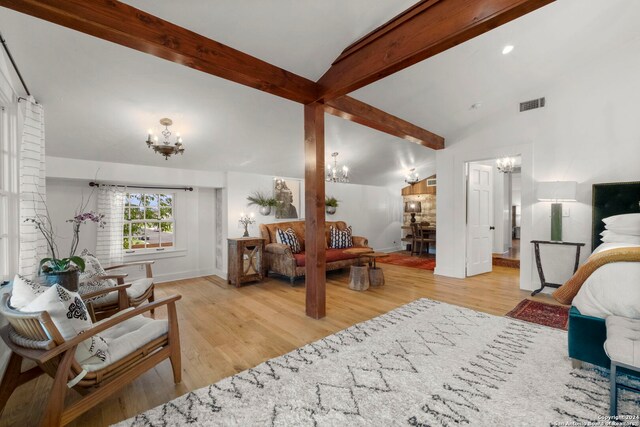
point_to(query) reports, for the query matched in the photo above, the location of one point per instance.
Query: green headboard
(614, 198)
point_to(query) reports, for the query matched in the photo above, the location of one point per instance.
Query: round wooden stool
(376, 276)
(359, 278)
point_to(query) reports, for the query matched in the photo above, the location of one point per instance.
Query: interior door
(479, 218)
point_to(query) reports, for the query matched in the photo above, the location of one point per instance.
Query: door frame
(526, 220)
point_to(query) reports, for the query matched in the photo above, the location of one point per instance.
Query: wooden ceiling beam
(125, 25)
(424, 30)
(356, 111)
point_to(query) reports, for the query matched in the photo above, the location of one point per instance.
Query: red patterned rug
(409, 261)
(554, 316)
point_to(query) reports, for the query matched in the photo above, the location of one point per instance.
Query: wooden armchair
(33, 336)
(139, 291)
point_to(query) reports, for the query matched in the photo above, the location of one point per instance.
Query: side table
(245, 260)
(536, 247)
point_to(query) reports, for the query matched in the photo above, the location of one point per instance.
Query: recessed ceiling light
(507, 49)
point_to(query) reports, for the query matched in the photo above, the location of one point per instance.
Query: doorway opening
(493, 207)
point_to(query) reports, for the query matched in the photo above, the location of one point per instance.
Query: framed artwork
(287, 194)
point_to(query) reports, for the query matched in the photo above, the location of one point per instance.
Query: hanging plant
(331, 204)
(259, 198)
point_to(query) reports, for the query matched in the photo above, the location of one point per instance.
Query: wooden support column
(314, 209)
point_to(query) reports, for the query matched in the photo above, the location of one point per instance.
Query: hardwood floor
(225, 330)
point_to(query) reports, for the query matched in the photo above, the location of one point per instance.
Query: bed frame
(586, 333)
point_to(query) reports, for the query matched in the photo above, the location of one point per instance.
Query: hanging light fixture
(335, 174)
(412, 177)
(166, 148)
(506, 164)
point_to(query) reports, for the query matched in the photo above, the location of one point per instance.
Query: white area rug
(423, 364)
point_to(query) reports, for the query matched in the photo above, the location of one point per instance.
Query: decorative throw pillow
(24, 291)
(70, 316)
(88, 281)
(289, 238)
(340, 239)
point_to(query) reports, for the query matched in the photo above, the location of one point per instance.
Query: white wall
(589, 132)
(195, 221)
(373, 212)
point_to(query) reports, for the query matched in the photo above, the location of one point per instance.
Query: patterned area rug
(423, 364)
(554, 316)
(409, 261)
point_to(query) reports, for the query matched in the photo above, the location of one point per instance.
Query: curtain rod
(15, 66)
(96, 184)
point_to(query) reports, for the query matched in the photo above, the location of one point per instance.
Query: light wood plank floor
(225, 330)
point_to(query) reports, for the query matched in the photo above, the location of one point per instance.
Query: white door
(479, 217)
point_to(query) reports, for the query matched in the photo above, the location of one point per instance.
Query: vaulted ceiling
(100, 97)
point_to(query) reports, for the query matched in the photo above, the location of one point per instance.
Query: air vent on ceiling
(431, 182)
(532, 105)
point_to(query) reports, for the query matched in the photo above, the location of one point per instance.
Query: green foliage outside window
(149, 221)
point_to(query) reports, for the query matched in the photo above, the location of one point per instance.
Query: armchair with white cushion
(134, 344)
(139, 291)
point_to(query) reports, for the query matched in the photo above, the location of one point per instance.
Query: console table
(536, 247)
(245, 260)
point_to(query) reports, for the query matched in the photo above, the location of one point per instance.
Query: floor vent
(532, 105)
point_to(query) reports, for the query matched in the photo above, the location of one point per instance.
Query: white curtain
(33, 246)
(109, 248)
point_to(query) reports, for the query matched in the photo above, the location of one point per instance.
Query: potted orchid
(57, 270)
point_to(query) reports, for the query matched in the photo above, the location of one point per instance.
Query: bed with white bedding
(614, 288)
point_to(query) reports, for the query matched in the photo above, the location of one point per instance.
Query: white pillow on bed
(623, 224)
(609, 236)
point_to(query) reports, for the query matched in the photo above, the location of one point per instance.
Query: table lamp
(413, 208)
(555, 192)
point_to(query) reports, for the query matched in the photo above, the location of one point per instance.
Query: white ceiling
(100, 98)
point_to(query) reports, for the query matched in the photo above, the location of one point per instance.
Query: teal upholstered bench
(587, 335)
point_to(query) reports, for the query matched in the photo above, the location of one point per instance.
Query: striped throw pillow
(340, 239)
(289, 238)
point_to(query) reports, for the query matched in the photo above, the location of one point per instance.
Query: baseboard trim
(163, 278)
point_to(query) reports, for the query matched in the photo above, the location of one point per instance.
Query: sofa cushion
(340, 239)
(288, 237)
(333, 255)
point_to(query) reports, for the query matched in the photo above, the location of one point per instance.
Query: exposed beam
(351, 109)
(315, 240)
(125, 25)
(426, 29)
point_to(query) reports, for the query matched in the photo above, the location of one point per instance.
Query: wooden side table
(245, 260)
(536, 247)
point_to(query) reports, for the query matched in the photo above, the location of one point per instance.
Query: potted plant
(259, 198)
(331, 203)
(57, 270)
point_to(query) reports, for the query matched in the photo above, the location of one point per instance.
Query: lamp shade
(413, 207)
(557, 191)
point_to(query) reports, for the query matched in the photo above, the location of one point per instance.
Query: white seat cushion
(623, 340)
(139, 287)
(125, 338)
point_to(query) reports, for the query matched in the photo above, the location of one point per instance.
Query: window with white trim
(9, 199)
(149, 222)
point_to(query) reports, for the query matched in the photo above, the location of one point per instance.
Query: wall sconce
(413, 208)
(557, 191)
